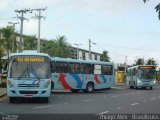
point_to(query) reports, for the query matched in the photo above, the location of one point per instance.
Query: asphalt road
(116, 100)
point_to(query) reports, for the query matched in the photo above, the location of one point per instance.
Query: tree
(157, 8)
(139, 61)
(151, 61)
(60, 47)
(7, 39)
(104, 56)
(30, 42)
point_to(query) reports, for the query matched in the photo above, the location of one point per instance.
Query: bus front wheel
(89, 87)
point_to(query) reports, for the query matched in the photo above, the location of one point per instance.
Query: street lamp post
(77, 49)
(90, 57)
(13, 24)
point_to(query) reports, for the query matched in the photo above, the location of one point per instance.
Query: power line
(131, 48)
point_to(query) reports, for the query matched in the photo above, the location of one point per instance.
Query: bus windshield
(147, 74)
(29, 67)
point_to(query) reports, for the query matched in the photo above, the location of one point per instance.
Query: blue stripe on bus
(78, 80)
(104, 79)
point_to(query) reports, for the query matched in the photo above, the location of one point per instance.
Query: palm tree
(60, 47)
(7, 39)
(139, 61)
(151, 61)
(30, 42)
(104, 56)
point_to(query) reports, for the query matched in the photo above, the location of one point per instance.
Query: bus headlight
(10, 84)
(47, 84)
(154, 81)
(139, 81)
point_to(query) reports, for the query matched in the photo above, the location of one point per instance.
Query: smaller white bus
(141, 76)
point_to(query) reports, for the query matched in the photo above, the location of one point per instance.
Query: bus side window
(61, 67)
(74, 68)
(86, 68)
(107, 70)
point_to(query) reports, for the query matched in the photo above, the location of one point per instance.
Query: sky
(121, 27)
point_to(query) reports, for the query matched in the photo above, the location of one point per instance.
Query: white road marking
(66, 103)
(159, 97)
(103, 112)
(115, 96)
(153, 98)
(134, 104)
(41, 107)
(133, 93)
(119, 108)
(119, 88)
(87, 100)
(144, 101)
(105, 97)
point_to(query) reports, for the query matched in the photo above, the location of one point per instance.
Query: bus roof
(29, 52)
(80, 61)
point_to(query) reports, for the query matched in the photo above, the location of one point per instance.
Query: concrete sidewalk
(2, 92)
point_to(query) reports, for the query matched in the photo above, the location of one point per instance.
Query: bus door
(108, 73)
(60, 70)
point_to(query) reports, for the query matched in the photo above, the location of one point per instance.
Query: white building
(83, 54)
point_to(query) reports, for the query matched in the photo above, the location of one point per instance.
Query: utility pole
(89, 49)
(21, 29)
(39, 24)
(77, 49)
(125, 66)
(13, 25)
(90, 56)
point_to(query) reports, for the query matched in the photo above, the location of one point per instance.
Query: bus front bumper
(28, 93)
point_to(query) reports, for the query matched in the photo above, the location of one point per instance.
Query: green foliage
(7, 38)
(104, 56)
(151, 61)
(58, 47)
(139, 61)
(30, 42)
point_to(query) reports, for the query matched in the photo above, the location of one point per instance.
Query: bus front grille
(28, 85)
(28, 92)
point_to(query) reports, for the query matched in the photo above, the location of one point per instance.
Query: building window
(83, 56)
(74, 68)
(95, 56)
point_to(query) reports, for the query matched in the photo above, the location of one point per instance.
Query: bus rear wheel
(89, 87)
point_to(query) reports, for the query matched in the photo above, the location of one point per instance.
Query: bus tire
(151, 88)
(11, 99)
(52, 85)
(75, 90)
(131, 87)
(89, 87)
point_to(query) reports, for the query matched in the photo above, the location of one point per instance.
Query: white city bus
(141, 76)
